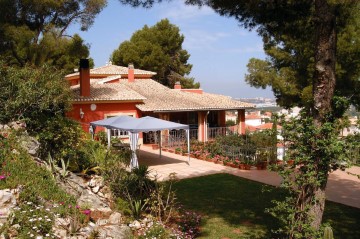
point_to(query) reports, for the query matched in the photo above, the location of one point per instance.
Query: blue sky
(219, 48)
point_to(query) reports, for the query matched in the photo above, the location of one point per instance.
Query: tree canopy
(32, 94)
(33, 32)
(289, 67)
(159, 49)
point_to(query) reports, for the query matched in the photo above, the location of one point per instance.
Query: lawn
(233, 207)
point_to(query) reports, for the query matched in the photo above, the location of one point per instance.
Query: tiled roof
(161, 98)
(114, 70)
(252, 116)
(265, 126)
(107, 92)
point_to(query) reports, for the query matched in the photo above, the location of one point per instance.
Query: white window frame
(119, 133)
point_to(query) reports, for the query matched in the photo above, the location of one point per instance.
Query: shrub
(162, 200)
(32, 94)
(60, 137)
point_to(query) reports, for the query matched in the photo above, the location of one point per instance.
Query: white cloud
(178, 11)
(200, 39)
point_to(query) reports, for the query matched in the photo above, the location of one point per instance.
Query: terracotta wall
(100, 112)
(241, 121)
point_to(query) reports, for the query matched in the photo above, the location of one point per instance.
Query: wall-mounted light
(81, 114)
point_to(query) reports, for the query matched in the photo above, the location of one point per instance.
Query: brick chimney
(177, 85)
(131, 77)
(84, 77)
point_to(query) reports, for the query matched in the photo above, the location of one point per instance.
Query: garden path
(342, 187)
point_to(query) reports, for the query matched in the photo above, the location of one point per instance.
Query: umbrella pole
(188, 144)
(160, 143)
(109, 137)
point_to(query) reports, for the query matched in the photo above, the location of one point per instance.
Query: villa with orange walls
(113, 90)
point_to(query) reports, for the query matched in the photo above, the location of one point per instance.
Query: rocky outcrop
(91, 192)
(7, 203)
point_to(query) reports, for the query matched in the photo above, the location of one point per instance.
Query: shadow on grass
(234, 207)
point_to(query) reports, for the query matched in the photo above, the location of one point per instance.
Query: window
(116, 132)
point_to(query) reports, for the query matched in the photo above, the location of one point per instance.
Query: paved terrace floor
(342, 187)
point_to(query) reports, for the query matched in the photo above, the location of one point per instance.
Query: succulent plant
(328, 233)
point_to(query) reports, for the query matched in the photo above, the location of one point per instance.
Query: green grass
(233, 207)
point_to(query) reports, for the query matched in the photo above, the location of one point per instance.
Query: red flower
(87, 212)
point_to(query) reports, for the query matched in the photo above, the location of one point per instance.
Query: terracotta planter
(242, 166)
(171, 150)
(234, 165)
(247, 166)
(290, 162)
(155, 146)
(261, 165)
(164, 149)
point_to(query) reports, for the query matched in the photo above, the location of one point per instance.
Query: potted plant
(248, 163)
(178, 150)
(197, 154)
(218, 159)
(290, 162)
(261, 165)
(234, 164)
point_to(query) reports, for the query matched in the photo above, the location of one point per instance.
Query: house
(115, 90)
(253, 119)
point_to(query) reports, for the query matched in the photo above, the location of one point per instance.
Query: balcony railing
(213, 132)
(180, 135)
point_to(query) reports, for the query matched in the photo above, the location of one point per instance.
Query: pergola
(136, 125)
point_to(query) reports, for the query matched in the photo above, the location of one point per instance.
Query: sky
(220, 49)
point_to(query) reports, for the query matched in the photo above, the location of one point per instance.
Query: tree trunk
(325, 59)
(323, 88)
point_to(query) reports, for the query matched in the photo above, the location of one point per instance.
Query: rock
(96, 181)
(100, 213)
(60, 233)
(115, 218)
(30, 144)
(73, 185)
(7, 202)
(115, 232)
(136, 224)
(62, 222)
(95, 189)
(77, 186)
(87, 198)
(101, 222)
(16, 125)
